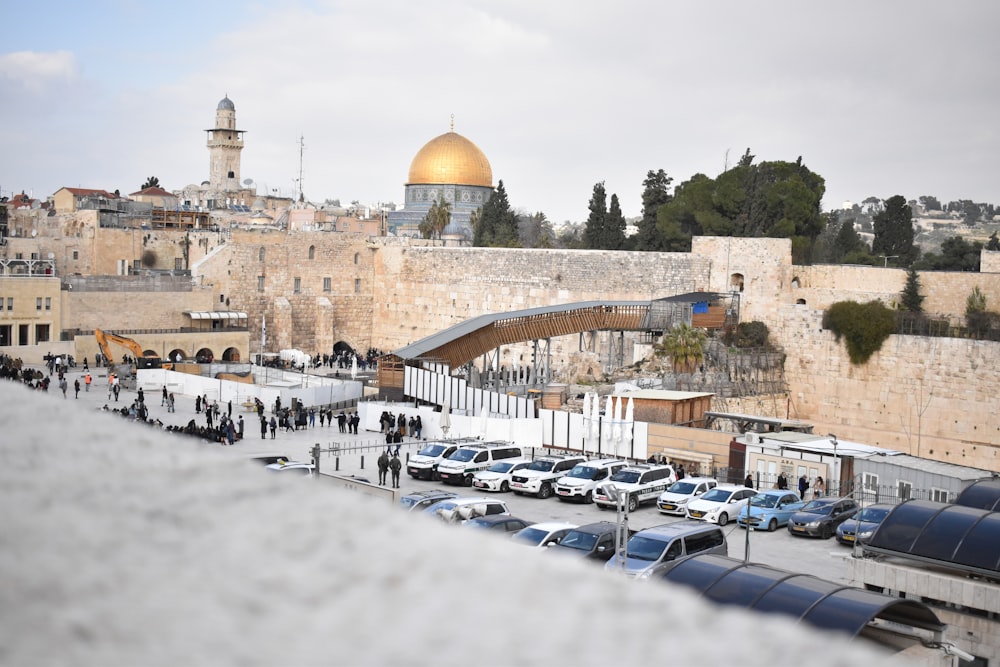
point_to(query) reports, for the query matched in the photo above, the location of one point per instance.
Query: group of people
(400, 426)
(662, 460)
(387, 464)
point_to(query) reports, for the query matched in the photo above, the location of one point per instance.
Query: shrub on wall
(864, 326)
(748, 334)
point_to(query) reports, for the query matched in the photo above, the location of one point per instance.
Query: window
(48, 303)
(41, 333)
(326, 284)
(705, 541)
(260, 283)
(260, 254)
(869, 487)
(298, 285)
(357, 285)
(312, 252)
(904, 490)
(10, 303)
(222, 298)
(38, 303)
(939, 495)
(178, 263)
(356, 257)
(76, 254)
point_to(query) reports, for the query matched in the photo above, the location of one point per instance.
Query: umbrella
(609, 413)
(617, 432)
(586, 416)
(444, 420)
(629, 423)
(595, 422)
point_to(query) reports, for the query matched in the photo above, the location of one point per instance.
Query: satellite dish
(52, 255)
(34, 233)
(248, 182)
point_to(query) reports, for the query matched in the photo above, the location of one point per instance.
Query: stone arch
(736, 282)
(796, 283)
(260, 254)
(176, 355)
(341, 346)
(231, 354)
(800, 302)
(312, 252)
(204, 356)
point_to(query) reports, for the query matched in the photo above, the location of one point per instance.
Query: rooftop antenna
(452, 129)
(302, 147)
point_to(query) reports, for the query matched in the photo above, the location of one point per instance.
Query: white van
(467, 460)
(580, 482)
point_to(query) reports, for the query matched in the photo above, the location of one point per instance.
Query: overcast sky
(879, 98)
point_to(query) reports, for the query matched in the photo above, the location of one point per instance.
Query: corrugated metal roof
(964, 473)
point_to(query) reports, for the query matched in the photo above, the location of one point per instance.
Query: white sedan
(721, 504)
(497, 476)
(540, 535)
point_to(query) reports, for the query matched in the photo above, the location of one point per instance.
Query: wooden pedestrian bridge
(457, 346)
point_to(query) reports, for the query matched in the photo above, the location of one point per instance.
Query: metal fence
(865, 494)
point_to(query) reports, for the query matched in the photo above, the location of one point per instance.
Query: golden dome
(453, 160)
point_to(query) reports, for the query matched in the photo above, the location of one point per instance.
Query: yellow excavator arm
(105, 338)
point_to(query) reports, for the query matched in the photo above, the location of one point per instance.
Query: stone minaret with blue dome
(225, 143)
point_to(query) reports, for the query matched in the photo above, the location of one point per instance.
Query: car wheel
(435, 476)
(633, 503)
(588, 497)
(545, 491)
(467, 480)
(772, 525)
(723, 519)
(825, 532)
(600, 507)
(504, 486)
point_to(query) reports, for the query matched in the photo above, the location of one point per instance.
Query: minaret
(224, 145)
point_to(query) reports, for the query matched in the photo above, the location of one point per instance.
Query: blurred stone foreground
(123, 545)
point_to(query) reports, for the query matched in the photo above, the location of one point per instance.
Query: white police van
(467, 460)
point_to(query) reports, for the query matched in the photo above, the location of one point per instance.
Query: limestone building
(448, 167)
(223, 189)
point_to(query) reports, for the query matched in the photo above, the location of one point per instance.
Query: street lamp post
(836, 467)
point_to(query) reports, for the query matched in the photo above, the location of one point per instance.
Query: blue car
(770, 509)
(863, 525)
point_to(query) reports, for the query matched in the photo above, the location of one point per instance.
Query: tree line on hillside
(775, 199)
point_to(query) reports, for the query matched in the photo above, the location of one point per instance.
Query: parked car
(655, 551)
(451, 509)
(497, 476)
(541, 535)
(820, 517)
(770, 509)
(467, 460)
(418, 500)
(580, 482)
(676, 498)
(862, 525)
(642, 482)
(595, 541)
(292, 467)
(721, 504)
(500, 523)
(539, 478)
(424, 464)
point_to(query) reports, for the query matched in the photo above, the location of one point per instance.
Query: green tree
(151, 182)
(685, 345)
(911, 299)
(593, 232)
(656, 193)
(848, 241)
(929, 203)
(536, 231)
(994, 243)
(614, 226)
(956, 254)
(863, 326)
(894, 232)
(496, 226)
(437, 218)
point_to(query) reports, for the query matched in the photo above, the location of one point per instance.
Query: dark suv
(594, 540)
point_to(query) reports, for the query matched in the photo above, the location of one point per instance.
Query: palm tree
(685, 345)
(436, 220)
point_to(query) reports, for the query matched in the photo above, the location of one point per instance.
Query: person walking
(170, 403)
(274, 427)
(263, 427)
(239, 428)
(383, 468)
(63, 385)
(782, 482)
(748, 482)
(76, 386)
(819, 488)
(803, 485)
(164, 397)
(394, 466)
(86, 382)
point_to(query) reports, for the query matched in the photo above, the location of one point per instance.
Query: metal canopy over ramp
(820, 603)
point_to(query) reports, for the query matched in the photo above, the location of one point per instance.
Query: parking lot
(821, 558)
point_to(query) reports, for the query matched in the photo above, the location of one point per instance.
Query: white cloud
(35, 71)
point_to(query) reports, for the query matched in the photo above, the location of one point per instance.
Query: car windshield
(873, 514)
(406, 501)
(626, 476)
(532, 536)
(682, 488)
(644, 548)
(443, 505)
(463, 455)
(541, 465)
(432, 450)
(817, 507)
(764, 500)
(501, 466)
(717, 495)
(582, 472)
(576, 540)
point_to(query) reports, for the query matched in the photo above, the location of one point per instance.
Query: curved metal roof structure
(963, 538)
(984, 494)
(820, 603)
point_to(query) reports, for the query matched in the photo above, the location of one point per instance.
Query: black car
(820, 517)
(498, 523)
(594, 540)
(418, 500)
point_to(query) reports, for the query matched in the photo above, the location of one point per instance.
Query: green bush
(864, 326)
(748, 334)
